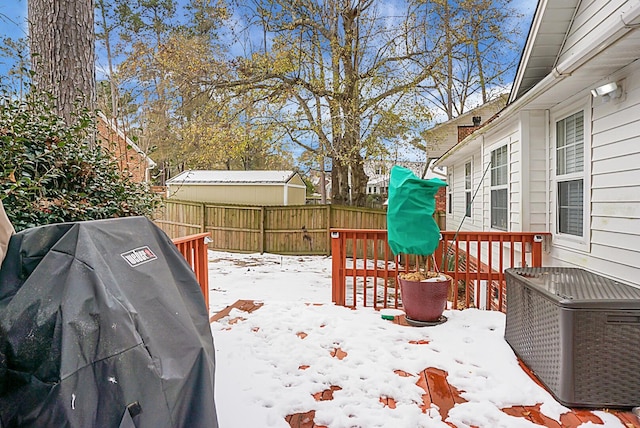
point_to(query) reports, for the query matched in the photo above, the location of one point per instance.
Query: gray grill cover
(103, 324)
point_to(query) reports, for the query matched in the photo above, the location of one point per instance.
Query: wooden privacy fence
(296, 230)
(475, 260)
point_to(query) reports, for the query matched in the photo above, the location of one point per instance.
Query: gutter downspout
(484, 226)
(525, 170)
(566, 34)
(547, 132)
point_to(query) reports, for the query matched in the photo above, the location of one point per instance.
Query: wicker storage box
(578, 332)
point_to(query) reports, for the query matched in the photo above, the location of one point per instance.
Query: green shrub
(50, 174)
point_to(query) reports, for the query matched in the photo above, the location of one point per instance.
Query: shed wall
(297, 191)
(249, 194)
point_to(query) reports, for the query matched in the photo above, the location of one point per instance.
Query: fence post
(337, 269)
(262, 225)
(204, 218)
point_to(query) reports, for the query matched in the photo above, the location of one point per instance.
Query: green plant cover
(411, 227)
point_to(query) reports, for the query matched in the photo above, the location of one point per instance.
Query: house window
(570, 174)
(450, 193)
(467, 189)
(499, 183)
(570, 204)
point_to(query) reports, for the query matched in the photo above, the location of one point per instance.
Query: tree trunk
(62, 41)
(339, 183)
(449, 50)
(359, 182)
(107, 44)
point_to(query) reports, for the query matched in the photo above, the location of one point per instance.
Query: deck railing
(364, 270)
(194, 250)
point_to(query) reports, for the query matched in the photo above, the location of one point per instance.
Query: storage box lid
(578, 288)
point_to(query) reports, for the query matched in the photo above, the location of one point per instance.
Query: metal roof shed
(239, 187)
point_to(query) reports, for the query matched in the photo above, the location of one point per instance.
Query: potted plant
(424, 296)
(411, 229)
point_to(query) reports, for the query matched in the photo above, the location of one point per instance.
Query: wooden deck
(438, 391)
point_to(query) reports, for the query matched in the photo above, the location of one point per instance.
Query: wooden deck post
(194, 249)
(337, 267)
(536, 251)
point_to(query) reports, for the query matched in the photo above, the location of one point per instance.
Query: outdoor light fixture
(608, 91)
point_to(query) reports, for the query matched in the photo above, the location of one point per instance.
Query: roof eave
(628, 19)
(527, 49)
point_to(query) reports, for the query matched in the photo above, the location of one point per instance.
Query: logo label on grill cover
(139, 256)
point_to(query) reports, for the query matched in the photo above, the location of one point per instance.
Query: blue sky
(13, 24)
(13, 15)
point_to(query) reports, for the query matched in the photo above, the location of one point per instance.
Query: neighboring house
(129, 157)
(379, 171)
(445, 135)
(564, 154)
(442, 137)
(239, 187)
(316, 180)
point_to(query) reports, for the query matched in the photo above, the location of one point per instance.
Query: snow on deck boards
(437, 390)
(243, 305)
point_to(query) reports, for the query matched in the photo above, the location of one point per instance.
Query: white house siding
(477, 180)
(457, 186)
(592, 18)
(611, 242)
(515, 183)
(516, 193)
(459, 201)
(508, 135)
(481, 209)
(615, 187)
(534, 168)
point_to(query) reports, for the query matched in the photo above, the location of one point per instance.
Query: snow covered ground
(269, 363)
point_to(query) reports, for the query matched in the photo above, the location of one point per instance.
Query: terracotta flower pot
(424, 300)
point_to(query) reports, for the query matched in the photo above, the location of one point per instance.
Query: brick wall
(465, 130)
(441, 199)
(129, 160)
